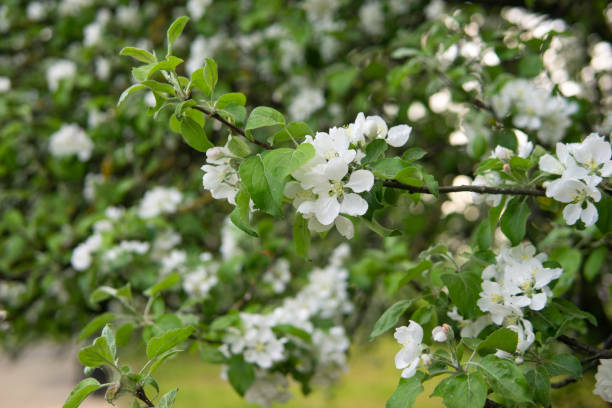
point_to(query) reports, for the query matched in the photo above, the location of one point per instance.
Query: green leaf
(160, 344)
(139, 54)
(223, 322)
(410, 175)
(124, 333)
(232, 98)
(604, 209)
(413, 154)
(390, 317)
(212, 354)
(159, 86)
(564, 364)
(570, 260)
(108, 334)
(265, 190)
(169, 64)
(530, 66)
(539, 380)
(288, 329)
(415, 271)
(263, 116)
(301, 236)
(374, 150)
(99, 353)
(265, 175)
(94, 325)
(210, 74)
(463, 390)
(166, 283)
(501, 339)
(240, 374)
(194, 135)
(431, 183)
(80, 392)
(240, 215)
(379, 229)
(463, 289)
(167, 400)
(129, 91)
(387, 168)
(161, 358)
(514, 220)
(175, 30)
(594, 262)
(406, 392)
(484, 235)
(197, 81)
(293, 130)
(505, 378)
(142, 72)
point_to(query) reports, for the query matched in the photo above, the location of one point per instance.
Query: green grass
(370, 381)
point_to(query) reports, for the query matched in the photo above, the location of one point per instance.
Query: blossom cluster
(157, 201)
(326, 188)
(518, 281)
(603, 378)
(582, 166)
(324, 297)
(221, 173)
(71, 140)
(534, 108)
(414, 353)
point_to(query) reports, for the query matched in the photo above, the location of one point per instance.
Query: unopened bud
(214, 153)
(506, 167)
(441, 333)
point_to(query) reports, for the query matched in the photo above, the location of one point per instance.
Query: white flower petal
(398, 135)
(360, 181)
(345, 227)
(353, 204)
(571, 213)
(326, 209)
(589, 214)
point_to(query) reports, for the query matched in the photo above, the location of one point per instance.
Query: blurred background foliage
(425, 63)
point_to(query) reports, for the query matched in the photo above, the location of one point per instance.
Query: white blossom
(159, 200)
(408, 358)
(199, 282)
(220, 174)
(61, 69)
(307, 101)
(268, 388)
(603, 378)
(5, 84)
(82, 253)
(197, 8)
(70, 140)
(278, 275)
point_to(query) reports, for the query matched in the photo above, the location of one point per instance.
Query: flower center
(336, 188)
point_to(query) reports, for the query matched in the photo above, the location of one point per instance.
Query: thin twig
(393, 183)
(234, 128)
(473, 189)
(140, 394)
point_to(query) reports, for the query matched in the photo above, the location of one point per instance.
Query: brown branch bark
(473, 189)
(140, 394)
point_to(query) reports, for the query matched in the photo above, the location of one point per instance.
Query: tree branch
(473, 189)
(233, 128)
(140, 394)
(582, 348)
(393, 183)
